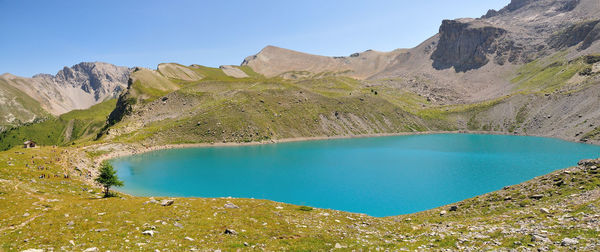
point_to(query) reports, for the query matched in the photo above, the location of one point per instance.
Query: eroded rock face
(100, 79)
(78, 87)
(586, 32)
(465, 46)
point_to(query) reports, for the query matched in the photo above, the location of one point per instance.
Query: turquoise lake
(379, 176)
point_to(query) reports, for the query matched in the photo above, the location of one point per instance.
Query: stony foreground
(47, 204)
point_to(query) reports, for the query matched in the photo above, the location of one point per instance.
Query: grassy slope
(550, 74)
(222, 108)
(35, 209)
(15, 102)
(80, 124)
(256, 108)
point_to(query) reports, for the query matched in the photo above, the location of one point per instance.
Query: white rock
(544, 210)
(149, 232)
(92, 249)
(231, 205)
(568, 242)
(189, 238)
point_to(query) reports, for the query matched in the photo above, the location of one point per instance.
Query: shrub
(305, 208)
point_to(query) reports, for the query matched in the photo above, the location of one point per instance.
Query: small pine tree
(108, 178)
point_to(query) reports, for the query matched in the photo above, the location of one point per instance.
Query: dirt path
(22, 224)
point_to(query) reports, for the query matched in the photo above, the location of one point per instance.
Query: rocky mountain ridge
(468, 57)
(78, 87)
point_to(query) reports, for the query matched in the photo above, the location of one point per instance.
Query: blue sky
(43, 36)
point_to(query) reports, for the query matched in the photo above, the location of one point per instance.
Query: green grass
(547, 75)
(51, 212)
(82, 125)
(21, 106)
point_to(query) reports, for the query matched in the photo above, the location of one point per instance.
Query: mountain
(78, 87)
(273, 61)
(469, 58)
(531, 68)
(16, 107)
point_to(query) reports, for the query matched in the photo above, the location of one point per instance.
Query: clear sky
(43, 36)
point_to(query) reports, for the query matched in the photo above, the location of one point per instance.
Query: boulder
(536, 196)
(589, 162)
(568, 242)
(166, 202)
(149, 232)
(230, 232)
(231, 205)
(540, 238)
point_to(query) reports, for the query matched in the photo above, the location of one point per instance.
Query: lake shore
(116, 150)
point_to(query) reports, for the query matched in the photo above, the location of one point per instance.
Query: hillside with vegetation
(46, 191)
(531, 68)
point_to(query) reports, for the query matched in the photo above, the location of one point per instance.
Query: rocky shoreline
(116, 150)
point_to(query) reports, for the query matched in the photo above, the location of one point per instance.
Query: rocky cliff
(465, 45)
(76, 87)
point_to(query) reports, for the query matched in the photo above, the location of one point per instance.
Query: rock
(545, 210)
(166, 202)
(72, 242)
(152, 200)
(443, 212)
(453, 208)
(338, 246)
(92, 249)
(70, 223)
(480, 236)
(465, 46)
(246, 244)
(568, 242)
(149, 232)
(33, 250)
(101, 230)
(231, 205)
(189, 238)
(540, 238)
(536, 196)
(230, 232)
(588, 162)
(26, 214)
(177, 224)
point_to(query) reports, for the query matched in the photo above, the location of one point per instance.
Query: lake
(379, 176)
